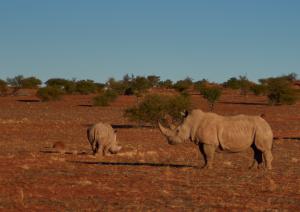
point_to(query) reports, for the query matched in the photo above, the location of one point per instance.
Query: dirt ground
(148, 174)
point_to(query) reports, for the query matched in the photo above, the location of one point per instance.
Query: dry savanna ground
(148, 174)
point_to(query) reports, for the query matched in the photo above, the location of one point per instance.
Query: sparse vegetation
(259, 90)
(241, 83)
(15, 82)
(105, 98)
(49, 93)
(166, 84)
(183, 85)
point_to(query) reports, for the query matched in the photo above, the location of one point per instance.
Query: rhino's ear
(184, 113)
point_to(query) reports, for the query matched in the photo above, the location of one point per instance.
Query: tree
(232, 83)
(280, 91)
(212, 95)
(166, 84)
(86, 86)
(153, 80)
(15, 82)
(183, 85)
(154, 107)
(30, 82)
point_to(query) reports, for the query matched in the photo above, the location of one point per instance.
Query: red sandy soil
(148, 174)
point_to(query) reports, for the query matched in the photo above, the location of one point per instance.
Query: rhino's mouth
(174, 140)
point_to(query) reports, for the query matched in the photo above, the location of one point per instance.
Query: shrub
(49, 93)
(211, 94)
(86, 86)
(183, 85)
(3, 87)
(62, 84)
(117, 86)
(242, 83)
(154, 107)
(259, 89)
(105, 98)
(166, 84)
(30, 82)
(232, 83)
(153, 80)
(280, 91)
(201, 85)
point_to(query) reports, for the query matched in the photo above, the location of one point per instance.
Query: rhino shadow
(123, 126)
(134, 164)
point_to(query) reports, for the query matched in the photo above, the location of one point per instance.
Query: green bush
(232, 83)
(166, 84)
(242, 83)
(259, 89)
(86, 86)
(105, 98)
(153, 80)
(30, 82)
(117, 86)
(49, 93)
(183, 85)
(201, 85)
(154, 107)
(211, 94)
(64, 85)
(280, 91)
(3, 87)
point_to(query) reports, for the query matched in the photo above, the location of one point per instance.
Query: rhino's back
(102, 131)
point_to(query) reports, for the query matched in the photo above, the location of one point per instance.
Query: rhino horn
(165, 131)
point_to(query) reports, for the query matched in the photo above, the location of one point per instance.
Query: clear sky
(98, 39)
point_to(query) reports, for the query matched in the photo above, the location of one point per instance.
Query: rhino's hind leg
(257, 157)
(268, 157)
(209, 151)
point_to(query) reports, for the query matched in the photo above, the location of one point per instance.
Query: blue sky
(98, 39)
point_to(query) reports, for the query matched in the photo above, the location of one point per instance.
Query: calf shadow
(124, 126)
(134, 164)
(29, 100)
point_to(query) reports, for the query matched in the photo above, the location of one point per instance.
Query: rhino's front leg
(209, 151)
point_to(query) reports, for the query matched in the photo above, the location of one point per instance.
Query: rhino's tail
(91, 135)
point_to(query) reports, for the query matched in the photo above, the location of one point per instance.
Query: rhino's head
(175, 135)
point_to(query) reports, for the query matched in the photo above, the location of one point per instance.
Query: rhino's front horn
(165, 131)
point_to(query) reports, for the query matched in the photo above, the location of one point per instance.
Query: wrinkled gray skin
(103, 139)
(229, 133)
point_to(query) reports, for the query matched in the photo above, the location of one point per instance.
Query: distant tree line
(279, 90)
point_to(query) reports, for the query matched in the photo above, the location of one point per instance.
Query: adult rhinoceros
(103, 139)
(231, 133)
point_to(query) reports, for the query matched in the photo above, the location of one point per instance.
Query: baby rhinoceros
(103, 139)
